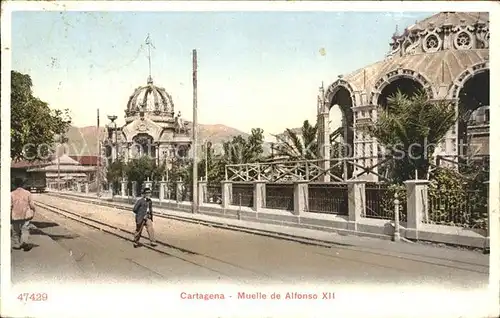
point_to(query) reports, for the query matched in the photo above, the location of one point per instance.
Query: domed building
(151, 128)
(446, 55)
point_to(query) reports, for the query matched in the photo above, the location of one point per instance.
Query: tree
(295, 147)
(34, 126)
(409, 129)
(238, 151)
(140, 169)
(116, 171)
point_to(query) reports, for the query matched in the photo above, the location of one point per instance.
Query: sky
(255, 69)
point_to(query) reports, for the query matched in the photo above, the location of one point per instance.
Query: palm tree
(407, 128)
(300, 145)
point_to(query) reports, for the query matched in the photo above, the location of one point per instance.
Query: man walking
(143, 210)
(22, 211)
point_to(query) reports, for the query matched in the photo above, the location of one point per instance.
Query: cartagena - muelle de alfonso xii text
(259, 296)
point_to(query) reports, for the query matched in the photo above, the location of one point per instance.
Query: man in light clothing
(143, 210)
(22, 211)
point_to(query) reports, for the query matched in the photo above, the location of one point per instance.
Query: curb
(237, 228)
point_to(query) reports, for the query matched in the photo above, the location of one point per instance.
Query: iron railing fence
(279, 196)
(328, 198)
(243, 191)
(463, 208)
(213, 195)
(380, 202)
(155, 191)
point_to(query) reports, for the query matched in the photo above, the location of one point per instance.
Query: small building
(32, 180)
(89, 161)
(64, 171)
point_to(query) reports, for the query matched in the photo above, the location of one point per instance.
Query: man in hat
(22, 211)
(143, 210)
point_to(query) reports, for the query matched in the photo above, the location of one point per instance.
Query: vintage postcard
(250, 159)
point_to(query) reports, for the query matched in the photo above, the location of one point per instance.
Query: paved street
(229, 256)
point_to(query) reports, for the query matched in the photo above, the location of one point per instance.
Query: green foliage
(115, 173)
(458, 199)
(238, 151)
(408, 128)
(388, 197)
(141, 169)
(241, 150)
(34, 126)
(295, 147)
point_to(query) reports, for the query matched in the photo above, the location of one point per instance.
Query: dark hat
(146, 190)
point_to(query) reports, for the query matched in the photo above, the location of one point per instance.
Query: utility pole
(98, 170)
(59, 167)
(194, 207)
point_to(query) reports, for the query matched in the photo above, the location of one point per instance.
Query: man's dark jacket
(140, 209)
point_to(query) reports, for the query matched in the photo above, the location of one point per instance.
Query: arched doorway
(144, 146)
(407, 86)
(473, 120)
(342, 134)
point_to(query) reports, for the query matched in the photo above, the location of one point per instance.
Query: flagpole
(98, 170)
(195, 205)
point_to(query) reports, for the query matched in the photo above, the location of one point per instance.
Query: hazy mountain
(83, 140)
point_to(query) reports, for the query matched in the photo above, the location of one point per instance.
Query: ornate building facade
(446, 55)
(151, 128)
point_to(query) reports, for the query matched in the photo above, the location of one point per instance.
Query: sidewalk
(47, 261)
(414, 251)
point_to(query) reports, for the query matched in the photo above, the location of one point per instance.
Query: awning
(64, 175)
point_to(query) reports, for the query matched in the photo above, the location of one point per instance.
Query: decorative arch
(335, 87)
(467, 74)
(400, 73)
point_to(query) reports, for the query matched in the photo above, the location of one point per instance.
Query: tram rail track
(219, 225)
(163, 248)
(293, 238)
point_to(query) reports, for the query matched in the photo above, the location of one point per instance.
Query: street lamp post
(194, 206)
(61, 142)
(115, 135)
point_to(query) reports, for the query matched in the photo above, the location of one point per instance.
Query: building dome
(443, 31)
(150, 99)
(445, 55)
(439, 51)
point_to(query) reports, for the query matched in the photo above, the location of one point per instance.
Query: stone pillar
(78, 187)
(324, 142)
(114, 154)
(127, 153)
(148, 184)
(134, 189)
(416, 204)
(179, 190)
(300, 197)
(87, 187)
(227, 193)
(202, 192)
(163, 189)
(357, 202)
(124, 188)
(259, 195)
(111, 189)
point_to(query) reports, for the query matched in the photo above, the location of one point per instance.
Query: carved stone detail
(335, 86)
(463, 40)
(465, 75)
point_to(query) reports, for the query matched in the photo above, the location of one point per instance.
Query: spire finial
(150, 45)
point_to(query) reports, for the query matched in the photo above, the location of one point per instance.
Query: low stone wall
(352, 224)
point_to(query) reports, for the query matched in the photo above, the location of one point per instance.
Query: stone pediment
(142, 126)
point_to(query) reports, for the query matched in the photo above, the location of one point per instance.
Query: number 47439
(32, 297)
